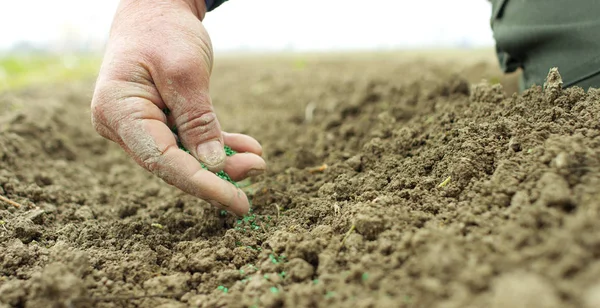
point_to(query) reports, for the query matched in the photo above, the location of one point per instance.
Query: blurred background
(63, 39)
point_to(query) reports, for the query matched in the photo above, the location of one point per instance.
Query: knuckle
(101, 130)
(155, 161)
(147, 155)
(199, 123)
(99, 117)
(151, 163)
(181, 68)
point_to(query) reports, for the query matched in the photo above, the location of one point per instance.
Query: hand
(159, 56)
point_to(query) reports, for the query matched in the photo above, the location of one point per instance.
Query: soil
(438, 191)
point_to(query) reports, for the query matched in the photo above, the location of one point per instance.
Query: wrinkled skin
(159, 56)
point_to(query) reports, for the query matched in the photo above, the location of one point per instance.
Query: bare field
(395, 180)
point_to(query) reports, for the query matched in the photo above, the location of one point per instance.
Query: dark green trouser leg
(536, 35)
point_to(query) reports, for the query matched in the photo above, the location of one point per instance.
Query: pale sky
(304, 25)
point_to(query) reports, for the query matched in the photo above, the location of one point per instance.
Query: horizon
(54, 27)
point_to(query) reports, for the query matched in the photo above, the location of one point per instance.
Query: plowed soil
(394, 181)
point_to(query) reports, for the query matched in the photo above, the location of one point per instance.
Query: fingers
(247, 162)
(158, 152)
(182, 170)
(242, 143)
(146, 137)
(243, 165)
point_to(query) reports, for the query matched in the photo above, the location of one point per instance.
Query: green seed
(365, 276)
(222, 288)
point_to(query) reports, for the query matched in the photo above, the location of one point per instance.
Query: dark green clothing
(537, 35)
(213, 4)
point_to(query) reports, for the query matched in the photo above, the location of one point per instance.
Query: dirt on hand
(392, 183)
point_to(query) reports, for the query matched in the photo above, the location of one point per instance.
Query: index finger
(147, 138)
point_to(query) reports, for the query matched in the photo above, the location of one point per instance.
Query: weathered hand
(159, 56)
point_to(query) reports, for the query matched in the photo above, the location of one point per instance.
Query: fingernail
(254, 172)
(211, 154)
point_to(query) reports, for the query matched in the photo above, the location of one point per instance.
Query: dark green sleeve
(213, 4)
(537, 35)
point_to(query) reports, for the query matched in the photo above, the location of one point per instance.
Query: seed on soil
(222, 288)
(276, 259)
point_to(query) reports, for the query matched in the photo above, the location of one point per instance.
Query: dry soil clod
(553, 84)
